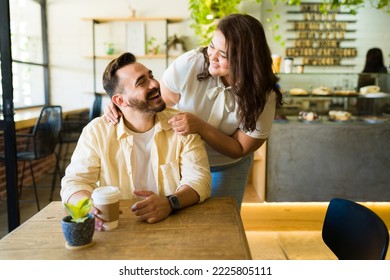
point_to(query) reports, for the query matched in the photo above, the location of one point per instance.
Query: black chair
(72, 127)
(40, 143)
(354, 232)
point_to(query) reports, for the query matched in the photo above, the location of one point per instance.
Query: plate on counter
(280, 120)
(310, 121)
(374, 119)
(375, 95)
(340, 121)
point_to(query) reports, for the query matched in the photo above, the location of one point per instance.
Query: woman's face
(219, 64)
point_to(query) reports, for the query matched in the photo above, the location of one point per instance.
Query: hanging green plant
(206, 13)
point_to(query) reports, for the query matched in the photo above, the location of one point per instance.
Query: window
(29, 53)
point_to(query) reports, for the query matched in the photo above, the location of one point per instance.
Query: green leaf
(79, 212)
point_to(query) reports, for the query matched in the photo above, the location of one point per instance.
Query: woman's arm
(235, 146)
(170, 98)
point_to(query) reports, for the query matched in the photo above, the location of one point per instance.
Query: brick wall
(41, 167)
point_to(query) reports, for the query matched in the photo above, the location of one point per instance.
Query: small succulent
(79, 212)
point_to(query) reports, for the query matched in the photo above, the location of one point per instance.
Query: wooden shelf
(318, 12)
(319, 30)
(321, 21)
(111, 19)
(166, 21)
(113, 56)
(315, 39)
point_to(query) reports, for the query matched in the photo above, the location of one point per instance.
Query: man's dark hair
(110, 79)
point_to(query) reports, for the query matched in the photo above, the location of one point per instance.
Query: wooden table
(211, 230)
(25, 118)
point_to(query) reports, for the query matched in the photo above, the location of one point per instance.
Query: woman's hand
(111, 113)
(186, 123)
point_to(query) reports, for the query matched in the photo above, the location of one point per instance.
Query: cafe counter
(320, 160)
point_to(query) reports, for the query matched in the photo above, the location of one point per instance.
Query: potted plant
(151, 46)
(110, 48)
(79, 226)
(176, 45)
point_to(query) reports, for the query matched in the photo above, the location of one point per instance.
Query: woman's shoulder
(191, 56)
(183, 70)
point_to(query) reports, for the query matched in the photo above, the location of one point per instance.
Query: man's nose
(154, 84)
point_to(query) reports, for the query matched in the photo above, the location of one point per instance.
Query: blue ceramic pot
(78, 234)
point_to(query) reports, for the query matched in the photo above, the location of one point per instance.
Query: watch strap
(174, 202)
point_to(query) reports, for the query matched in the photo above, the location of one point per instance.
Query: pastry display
(298, 91)
(335, 115)
(369, 89)
(307, 116)
(322, 90)
(345, 92)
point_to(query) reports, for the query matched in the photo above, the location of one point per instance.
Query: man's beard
(144, 106)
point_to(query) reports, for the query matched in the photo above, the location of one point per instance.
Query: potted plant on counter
(79, 226)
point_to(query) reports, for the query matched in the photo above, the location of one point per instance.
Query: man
(142, 155)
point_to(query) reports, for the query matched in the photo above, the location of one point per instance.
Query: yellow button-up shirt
(102, 157)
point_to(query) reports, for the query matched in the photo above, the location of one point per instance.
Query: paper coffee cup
(106, 200)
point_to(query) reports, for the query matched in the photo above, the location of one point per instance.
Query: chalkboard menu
(319, 36)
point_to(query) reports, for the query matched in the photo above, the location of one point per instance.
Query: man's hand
(152, 208)
(98, 222)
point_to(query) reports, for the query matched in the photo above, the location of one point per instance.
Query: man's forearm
(77, 196)
(187, 196)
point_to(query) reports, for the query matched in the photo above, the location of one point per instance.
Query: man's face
(140, 90)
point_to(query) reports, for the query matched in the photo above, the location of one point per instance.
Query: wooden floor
(291, 231)
(288, 231)
(275, 231)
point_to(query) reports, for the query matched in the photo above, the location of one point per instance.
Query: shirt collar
(161, 124)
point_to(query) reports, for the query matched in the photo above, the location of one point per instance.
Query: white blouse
(199, 98)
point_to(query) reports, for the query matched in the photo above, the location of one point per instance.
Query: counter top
(355, 120)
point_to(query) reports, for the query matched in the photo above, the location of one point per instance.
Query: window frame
(45, 58)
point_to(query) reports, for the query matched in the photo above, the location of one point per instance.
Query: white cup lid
(106, 193)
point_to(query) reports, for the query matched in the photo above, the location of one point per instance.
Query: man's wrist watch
(174, 201)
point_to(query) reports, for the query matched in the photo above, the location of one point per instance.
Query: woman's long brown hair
(250, 66)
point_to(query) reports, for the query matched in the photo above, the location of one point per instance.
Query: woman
(228, 94)
(374, 64)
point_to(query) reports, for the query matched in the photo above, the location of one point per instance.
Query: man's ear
(117, 99)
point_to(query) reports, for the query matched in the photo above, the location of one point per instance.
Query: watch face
(174, 201)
